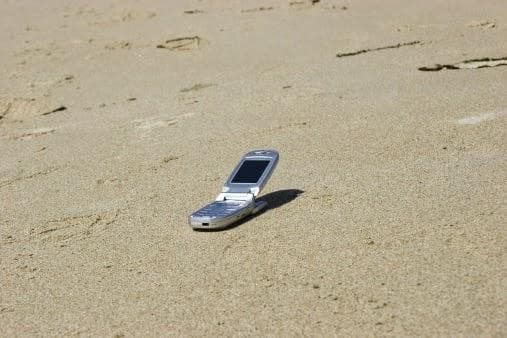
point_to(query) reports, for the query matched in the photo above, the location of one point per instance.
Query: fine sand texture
(387, 212)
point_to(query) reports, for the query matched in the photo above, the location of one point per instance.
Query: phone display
(250, 171)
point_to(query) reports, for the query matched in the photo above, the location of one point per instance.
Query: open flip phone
(237, 199)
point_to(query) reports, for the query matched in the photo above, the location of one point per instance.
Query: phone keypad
(219, 209)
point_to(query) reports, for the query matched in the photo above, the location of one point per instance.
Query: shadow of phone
(274, 199)
(278, 198)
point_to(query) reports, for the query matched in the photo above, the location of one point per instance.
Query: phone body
(237, 199)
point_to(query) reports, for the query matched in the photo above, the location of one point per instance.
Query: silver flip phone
(237, 199)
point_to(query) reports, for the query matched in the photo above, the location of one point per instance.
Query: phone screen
(250, 171)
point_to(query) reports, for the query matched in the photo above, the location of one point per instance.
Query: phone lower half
(220, 214)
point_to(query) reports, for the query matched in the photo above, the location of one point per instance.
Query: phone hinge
(235, 196)
(255, 191)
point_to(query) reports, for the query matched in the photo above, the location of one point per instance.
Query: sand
(387, 210)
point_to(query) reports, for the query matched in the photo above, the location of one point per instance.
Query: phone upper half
(252, 172)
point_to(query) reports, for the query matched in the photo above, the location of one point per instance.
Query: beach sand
(387, 217)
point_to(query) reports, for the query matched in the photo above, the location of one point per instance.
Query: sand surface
(388, 213)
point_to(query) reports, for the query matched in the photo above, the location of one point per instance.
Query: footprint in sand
(482, 117)
(135, 15)
(118, 45)
(152, 124)
(20, 109)
(467, 64)
(103, 19)
(159, 121)
(182, 44)
(187, 98)
(197, 87)
(482, 24)
(302, 4)
(32, 134)
(66, 228)
(193, 11)
(257, 9)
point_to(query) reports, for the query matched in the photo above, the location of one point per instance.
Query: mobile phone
(237, 199)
